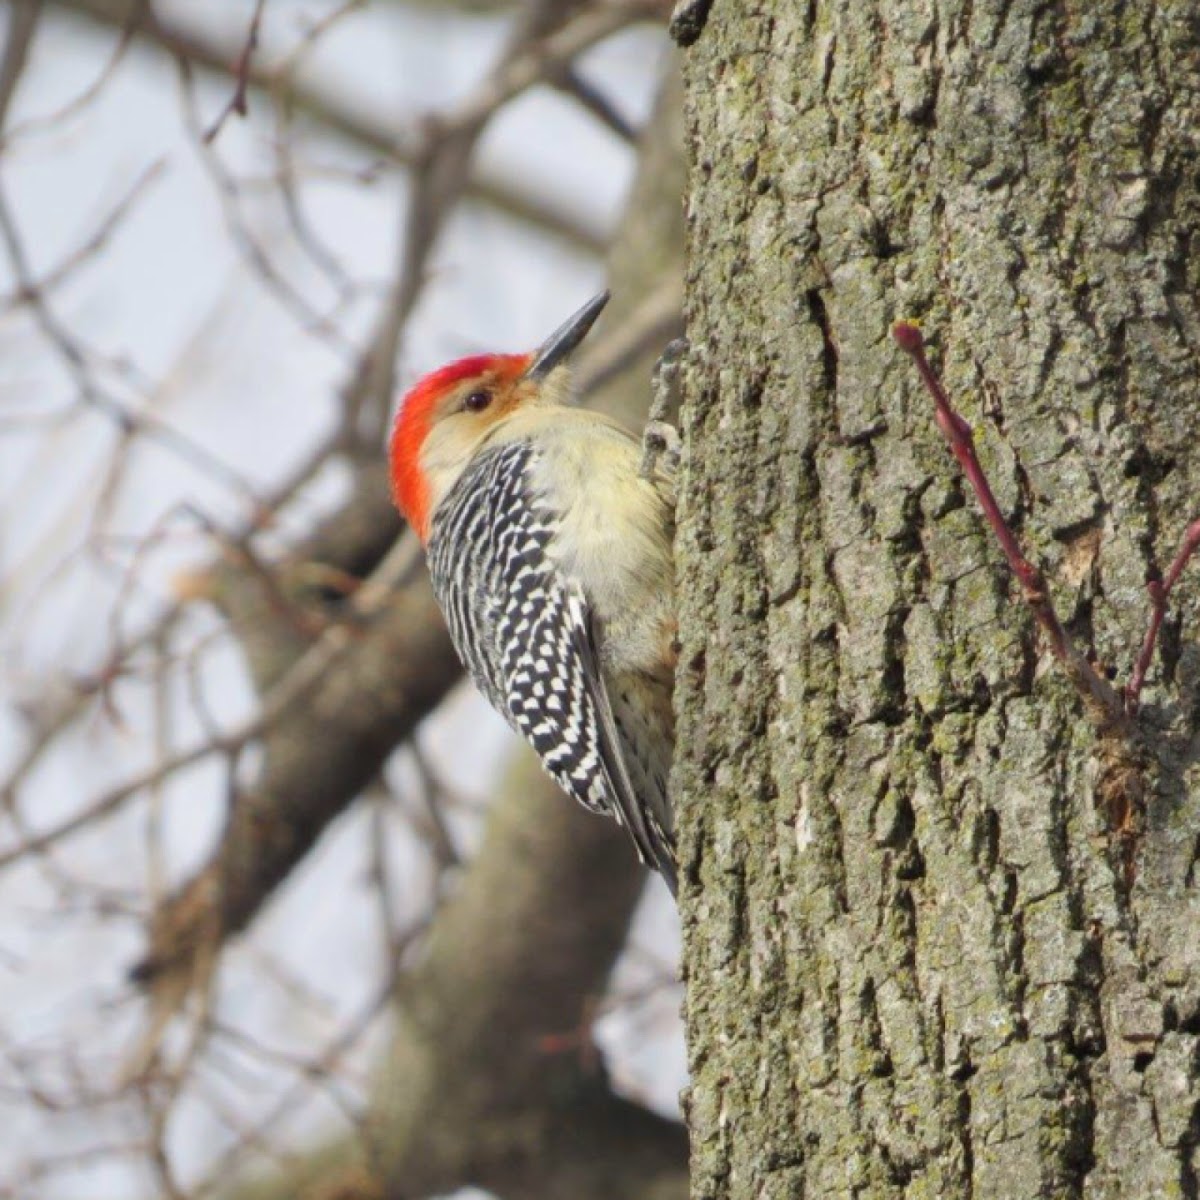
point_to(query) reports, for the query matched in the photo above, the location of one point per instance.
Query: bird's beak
(559, 345)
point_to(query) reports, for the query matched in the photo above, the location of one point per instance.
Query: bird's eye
(477, 401)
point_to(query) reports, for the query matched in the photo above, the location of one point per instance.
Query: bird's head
(447, 415)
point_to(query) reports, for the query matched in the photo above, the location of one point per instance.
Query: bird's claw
(661, 438)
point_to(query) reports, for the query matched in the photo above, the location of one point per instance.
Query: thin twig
(259, 259)
(138, 13)
(324, 1061)
(510, 193)
(98, 240)
(308, 671)
(241, 75)
(1160, 594)
(1102, 701)
(78, 360)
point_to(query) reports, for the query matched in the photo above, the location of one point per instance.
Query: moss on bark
(914, 966)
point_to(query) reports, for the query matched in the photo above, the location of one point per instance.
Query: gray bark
(920, 962)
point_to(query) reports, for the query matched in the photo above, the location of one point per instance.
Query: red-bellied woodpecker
(550, 553)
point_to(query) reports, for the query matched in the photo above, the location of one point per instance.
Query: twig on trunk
(1103, 703)
(1160, 594)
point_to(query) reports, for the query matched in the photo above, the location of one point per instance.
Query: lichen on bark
(915, 966)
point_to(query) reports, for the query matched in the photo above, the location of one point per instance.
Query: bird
(549, 543)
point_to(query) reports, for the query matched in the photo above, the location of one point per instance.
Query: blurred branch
(92, 245)
(492, 1079)
(81, 362)
(571, 83)
(369, 514)
(489, 1080)
(472, 1092)
(334, 651)
(22, 21)
(538, 50)
(375, 684)
(656, 320)
(514, 194)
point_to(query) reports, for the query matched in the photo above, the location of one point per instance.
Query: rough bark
(919, 962)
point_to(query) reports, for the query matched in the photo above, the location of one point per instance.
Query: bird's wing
(558, 700)
(527, 636)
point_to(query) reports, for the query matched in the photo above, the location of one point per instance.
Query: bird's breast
(614, 537)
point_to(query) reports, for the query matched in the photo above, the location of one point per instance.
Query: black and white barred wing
(525, 633)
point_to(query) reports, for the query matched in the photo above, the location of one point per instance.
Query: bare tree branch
(241, 74)
(22, 21)
(519, 197)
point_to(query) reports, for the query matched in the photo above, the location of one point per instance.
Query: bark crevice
(963, 964)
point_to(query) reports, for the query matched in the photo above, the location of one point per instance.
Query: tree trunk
(920, 962)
